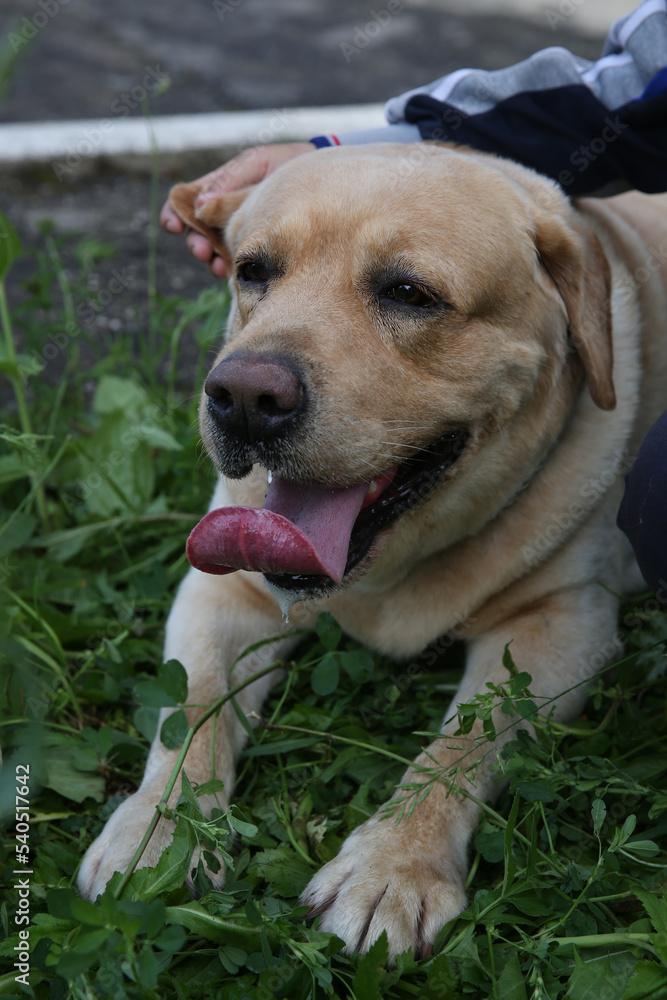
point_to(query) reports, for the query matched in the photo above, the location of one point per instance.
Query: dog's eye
(252, 270)
(411, 295)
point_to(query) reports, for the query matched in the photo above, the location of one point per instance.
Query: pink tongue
(299, 530)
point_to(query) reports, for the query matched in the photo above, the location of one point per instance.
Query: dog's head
(407, 337)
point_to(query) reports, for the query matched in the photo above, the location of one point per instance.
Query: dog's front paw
(115, 847)
(388, 877)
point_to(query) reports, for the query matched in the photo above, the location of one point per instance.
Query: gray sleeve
(400, 132)
(635, 50)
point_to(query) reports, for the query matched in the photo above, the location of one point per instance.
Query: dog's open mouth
(308, 538)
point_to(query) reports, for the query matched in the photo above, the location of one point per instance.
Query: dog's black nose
(255, 396)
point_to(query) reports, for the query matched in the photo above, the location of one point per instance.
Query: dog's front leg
(213, 620)
(408, 877)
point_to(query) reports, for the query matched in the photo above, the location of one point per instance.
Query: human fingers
(199, 246)
(249, 167)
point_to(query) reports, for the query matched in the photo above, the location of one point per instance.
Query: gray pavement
(84, 55)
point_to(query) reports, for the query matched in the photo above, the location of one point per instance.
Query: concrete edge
(71, 148)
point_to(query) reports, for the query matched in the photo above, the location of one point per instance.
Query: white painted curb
(72, 142)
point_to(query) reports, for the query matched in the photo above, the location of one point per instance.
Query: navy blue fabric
(643, 511)
(564, 133)
(657, 84)
(321, 141)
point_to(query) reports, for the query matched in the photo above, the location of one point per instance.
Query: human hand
(249, 167)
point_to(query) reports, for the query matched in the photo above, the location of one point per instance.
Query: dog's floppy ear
(580, 271)
(211, 218)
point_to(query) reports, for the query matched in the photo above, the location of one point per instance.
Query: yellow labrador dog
(441, 371)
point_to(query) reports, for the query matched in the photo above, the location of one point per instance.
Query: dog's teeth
(372, 486)
(269, 477)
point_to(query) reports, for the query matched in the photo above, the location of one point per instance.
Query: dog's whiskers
(377, 468)
(406, 425)
(402, 444)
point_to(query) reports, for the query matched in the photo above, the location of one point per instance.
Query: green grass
(101, 478)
